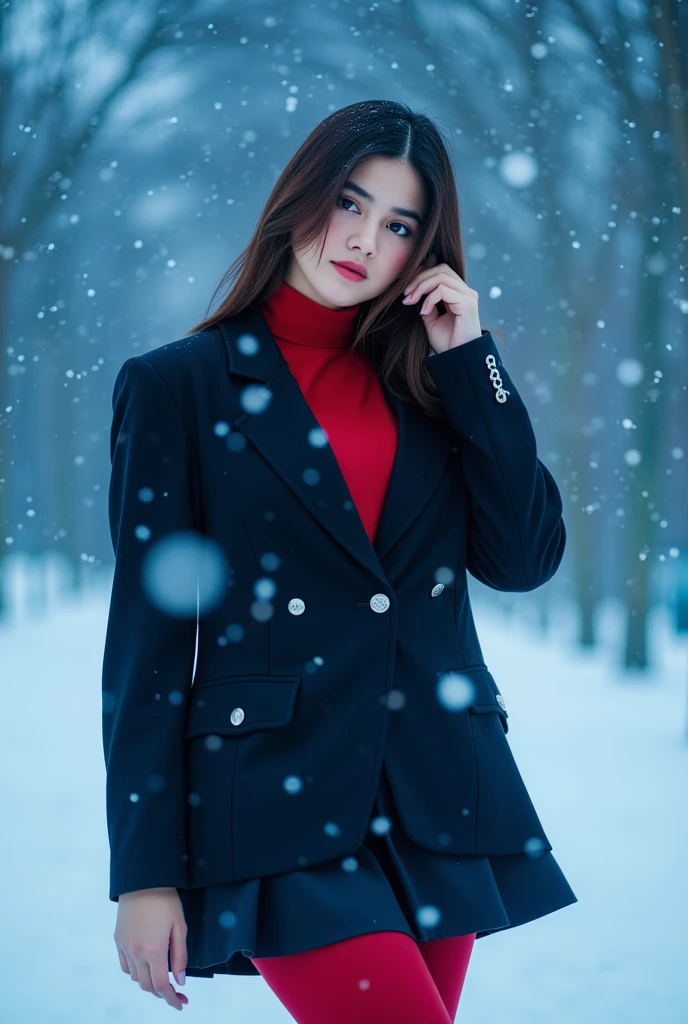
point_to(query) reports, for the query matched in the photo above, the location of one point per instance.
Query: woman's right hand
(149, 923)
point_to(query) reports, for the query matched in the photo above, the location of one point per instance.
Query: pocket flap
(487, 697)
(239, 704)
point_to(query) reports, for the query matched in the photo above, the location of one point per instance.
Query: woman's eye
(345, 199)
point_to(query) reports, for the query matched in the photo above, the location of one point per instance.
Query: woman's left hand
(461, 322)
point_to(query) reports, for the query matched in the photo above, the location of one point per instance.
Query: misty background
(139, 141)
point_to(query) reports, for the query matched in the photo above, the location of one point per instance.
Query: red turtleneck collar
(299, 319)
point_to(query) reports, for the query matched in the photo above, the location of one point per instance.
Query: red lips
(356, 267)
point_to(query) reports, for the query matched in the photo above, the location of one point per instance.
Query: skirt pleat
(387, 884)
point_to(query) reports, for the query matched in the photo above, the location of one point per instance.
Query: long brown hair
(390, 334)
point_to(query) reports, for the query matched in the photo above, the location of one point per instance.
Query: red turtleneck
(342, 390)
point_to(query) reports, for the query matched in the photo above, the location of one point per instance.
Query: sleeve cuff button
(496, 379)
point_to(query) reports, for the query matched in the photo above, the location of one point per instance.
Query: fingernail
(182, 978)
(406, 299)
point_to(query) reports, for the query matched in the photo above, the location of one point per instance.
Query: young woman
(308, 775)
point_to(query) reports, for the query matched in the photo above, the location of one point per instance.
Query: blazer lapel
(282, 433)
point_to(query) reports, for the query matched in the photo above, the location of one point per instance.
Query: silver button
(437, 590)
(501, 702)
(296, 606)
(237, 716)
(379, 602)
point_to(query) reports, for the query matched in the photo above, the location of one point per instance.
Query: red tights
(372, 979)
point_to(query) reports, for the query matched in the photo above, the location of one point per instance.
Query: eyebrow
(371, 199)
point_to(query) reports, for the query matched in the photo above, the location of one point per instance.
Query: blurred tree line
(139, 142)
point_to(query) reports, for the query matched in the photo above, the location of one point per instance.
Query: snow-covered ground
(604, 757)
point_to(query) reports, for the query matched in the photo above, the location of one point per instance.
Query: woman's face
(367, 230)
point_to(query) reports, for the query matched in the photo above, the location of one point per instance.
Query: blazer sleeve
(516, 533)
(149, 652)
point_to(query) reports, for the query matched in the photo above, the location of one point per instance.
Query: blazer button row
(378, 602)
(496, 379)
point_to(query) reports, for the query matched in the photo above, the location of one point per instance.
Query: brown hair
(390, 334)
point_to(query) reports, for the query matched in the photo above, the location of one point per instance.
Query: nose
(365, 245)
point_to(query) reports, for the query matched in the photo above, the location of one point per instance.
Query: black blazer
(320, 654)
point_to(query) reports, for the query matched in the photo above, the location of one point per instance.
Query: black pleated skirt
(387, 884)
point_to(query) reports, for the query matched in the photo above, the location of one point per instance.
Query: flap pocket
(487, 697)
(239, 704)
